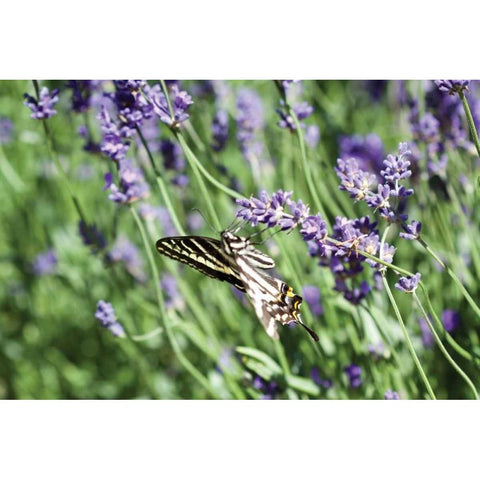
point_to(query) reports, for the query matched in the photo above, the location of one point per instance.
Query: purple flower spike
(220, 131)
(180, 101)
(391, 395)
(43, 107)
(45, 263)
(450, 320)
(132, 184)
(105, 314)
(412, 230)
(311, 295)
(408, 284)
(452, 86)
(354, 374)
(273, 211)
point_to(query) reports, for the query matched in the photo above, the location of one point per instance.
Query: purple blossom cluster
(301, 110)
(132, 185)
(6, 128)
(105, 314)
(441, 126)
(174, 299)
(42, 108)
(269, 388)
(324, 383)
(180, 101)
(45, 263)
(272, 211)
(219, 130)
(354, 374)
(82, 91)
(126, 252)
(450, 321)
(391, 395)
(389, 198)
(368, 151)
(150, 212)
(311, 294)
(173, 159)
(91, 236)
(340, 255)
(250, 120)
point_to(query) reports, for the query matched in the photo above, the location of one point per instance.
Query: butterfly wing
(272, 299)
(202, 253)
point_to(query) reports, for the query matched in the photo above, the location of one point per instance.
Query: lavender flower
(105, 314)
(452, 86)
(82, 91)
(355, 181)
(391, 395)
(132, 184)
(113, 143)
(180, 101)
(271, 211)
(173, 158)
(412, 231)
(125, 251)
(302, 110)
(174, 299)
(43, 107)
(426, 333)
(312, 136)
(450, 320)
(45, 263)
(315, 375)
(250, 120)
(91, 236)
(408, 284)
(368, 151)
(220, 131)
(6, 127)
(376, 350)
(268, 388)
(354, 373)
(311, 295)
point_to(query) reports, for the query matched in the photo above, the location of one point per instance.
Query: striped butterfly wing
(272, 299)
(202, 253)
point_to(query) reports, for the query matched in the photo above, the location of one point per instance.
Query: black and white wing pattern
(235, 260)
(202, 253)
(272, 299)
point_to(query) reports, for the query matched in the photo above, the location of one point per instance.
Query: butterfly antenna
(195, 209)
(308, 329)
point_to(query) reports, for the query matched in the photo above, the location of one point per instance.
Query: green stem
(163, 314)
(470, 121)
(407, 338)
(55, 158)
(459, 284)
(162, 187)
(306, 166)
(444, 350)
(193, 160)
(451, 341)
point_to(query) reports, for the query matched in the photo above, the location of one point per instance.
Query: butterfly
(235, 260)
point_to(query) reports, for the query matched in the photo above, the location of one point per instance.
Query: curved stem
(459, 284)
(470, 121)
(163, 314)
(444, 350)
(407, 338)
(161, 185)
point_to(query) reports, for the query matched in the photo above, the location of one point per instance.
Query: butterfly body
(235, 259)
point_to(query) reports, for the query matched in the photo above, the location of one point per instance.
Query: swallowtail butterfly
(235, 260)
